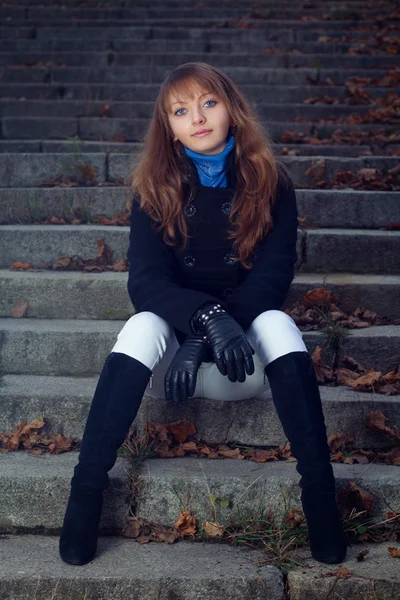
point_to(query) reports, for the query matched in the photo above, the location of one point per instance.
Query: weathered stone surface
(64, 403)
(28, 170)
(375, 576)
(80, 346)
(352, 250)
(104, 295)
(30, 567)
(248, 486)
(34, 492)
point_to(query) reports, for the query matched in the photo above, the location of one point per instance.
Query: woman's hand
(180, 379)
(232, 352)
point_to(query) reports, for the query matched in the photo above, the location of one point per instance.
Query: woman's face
(203, 111)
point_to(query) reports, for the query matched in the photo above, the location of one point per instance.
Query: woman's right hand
(232, 352)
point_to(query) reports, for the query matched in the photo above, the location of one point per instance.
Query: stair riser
(143, 110)
(140, 74)
(37, 502)
(65, 351)
(217, 423)
(39, 499)
(75, 295)
(256, 59)
(29, 170)
(319, 250)
(164, 45)
(96, 92)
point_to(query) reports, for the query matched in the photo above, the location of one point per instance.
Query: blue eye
(176, 113)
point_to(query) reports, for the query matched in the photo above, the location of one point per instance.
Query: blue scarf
(211, 168)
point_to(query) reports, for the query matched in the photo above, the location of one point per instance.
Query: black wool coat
(175, 284)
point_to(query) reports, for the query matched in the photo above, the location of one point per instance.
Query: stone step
(144, 92)
(247, 485)
(56, 146)
(64, 403)
(253, 58)
(115, 13)
(34, 491)
(103, 295)
(143, 109)
(80, 347)
(286, 33)
(40, 166)
(196, 23)
(165, 45)
(345, 208)
(142, 74)
(328, 4)
(92, 128)
(319, 250)
(50, 481)
(124, 569)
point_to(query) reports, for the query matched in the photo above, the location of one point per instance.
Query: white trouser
(151, 340)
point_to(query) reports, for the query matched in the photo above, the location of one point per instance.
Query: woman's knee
(147, 324)
(274, 333)
(273, 319)
(146, 337)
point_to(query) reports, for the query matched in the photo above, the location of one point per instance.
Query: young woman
(211, 259)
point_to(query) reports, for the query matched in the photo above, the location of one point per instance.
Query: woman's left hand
(180, 379)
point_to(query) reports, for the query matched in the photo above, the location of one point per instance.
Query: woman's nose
(199, 117)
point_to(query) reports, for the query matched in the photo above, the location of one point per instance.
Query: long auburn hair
(158, 178)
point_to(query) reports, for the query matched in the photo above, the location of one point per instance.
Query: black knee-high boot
(115, 404)
(297, 401)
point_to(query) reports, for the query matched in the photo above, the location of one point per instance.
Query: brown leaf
(335, 441)
(19, 308)
(21, 266)
(368, 379)
(57, 221)
(295, 517)
(378, 421)
(186, 523)
(354, 496)
(213, 529)
(87, 171)
(392, 457)
(361, 555)
(319, 296)
(395, 552)
(317, 171)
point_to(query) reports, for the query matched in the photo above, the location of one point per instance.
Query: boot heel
(78, 540)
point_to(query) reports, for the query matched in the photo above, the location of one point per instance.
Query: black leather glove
(180, 379)
(232, 352)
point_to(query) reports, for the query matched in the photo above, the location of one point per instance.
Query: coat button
(189, 210)
(227, 292)
(229, 259)
(189, 261)
(226, 208)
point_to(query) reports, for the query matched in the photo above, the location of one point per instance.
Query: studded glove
(180, 379)
(231, 350)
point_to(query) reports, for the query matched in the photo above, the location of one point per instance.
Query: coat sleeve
(153, 281)
(267, 284)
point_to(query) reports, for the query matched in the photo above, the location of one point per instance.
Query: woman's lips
(202, 134)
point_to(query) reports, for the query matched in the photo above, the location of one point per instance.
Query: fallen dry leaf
(213, 529)
(19, 308)
(19, 266)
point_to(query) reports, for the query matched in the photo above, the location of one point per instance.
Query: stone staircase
(77, 83)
